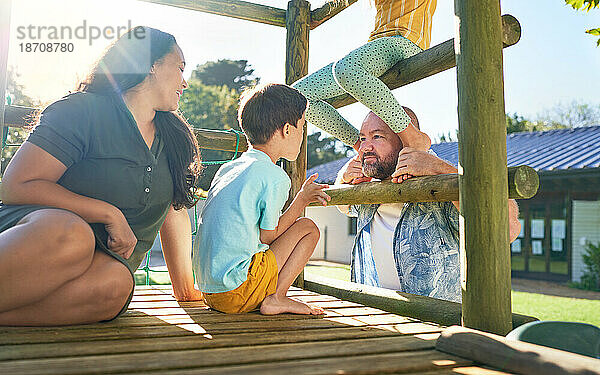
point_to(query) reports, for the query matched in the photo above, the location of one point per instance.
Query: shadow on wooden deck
(161, 336)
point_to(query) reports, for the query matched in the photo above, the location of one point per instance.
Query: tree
(321, 149)
(572, 115)
(13, 137)
(443, 138)
(16, 90)
(586, 5)
(210, 107)
(235, 74)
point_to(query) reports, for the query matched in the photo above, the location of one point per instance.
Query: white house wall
(339, 240)
(586, 227)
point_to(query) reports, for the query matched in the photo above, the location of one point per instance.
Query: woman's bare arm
(176, 241)
(31, 178)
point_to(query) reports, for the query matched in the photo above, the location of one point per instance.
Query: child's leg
(358, 73)
(292, 250)
(317, 87)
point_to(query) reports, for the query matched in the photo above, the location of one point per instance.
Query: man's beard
(380, 168)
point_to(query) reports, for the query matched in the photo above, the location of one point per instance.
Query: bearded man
(409, 247)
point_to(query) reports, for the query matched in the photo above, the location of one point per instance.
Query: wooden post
(485, 255)
(5, 7)
(296, 67)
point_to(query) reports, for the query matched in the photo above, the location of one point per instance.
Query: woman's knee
(66, 236)
(111, 295)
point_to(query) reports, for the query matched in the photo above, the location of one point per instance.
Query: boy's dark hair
(266, 108)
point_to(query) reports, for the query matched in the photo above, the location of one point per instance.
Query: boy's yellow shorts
(261, 282)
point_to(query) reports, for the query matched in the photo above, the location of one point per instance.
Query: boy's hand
(313, 192)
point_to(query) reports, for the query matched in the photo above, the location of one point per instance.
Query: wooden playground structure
(365, 330)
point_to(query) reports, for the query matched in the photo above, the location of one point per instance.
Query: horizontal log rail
(19, 117)
(424, 308)
(220, 140)
(327, 11)
(515, 357)
(231, 8)
(431, 61)
(523, 183)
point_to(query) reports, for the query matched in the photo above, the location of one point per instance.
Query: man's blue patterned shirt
(426, 249)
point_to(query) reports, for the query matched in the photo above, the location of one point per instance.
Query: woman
(402, 29)
(85, 195)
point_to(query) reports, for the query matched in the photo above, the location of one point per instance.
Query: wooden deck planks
(158, 335)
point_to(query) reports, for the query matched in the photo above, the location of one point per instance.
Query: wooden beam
(513, 356)
(220, 140)
(431, 61)
(231, 8)
(327, 11)
(423, 308)
(485, 255)
(18, 117)
(5, 8)
(523, 183)
(296, 67)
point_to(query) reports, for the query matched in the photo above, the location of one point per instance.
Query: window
(352, 225)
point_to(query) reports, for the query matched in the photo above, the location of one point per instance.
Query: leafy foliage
(591, 278)
(15, 96)
(321, 150)
(16, 90)
(571, 115)
(210, 107)
(235, 74)
(586, 5)
(443, 138)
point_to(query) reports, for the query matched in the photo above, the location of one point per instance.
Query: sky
(554, 62)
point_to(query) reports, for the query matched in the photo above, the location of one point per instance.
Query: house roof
(545, 151)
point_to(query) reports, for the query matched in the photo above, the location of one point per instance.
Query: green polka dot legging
(356, 74)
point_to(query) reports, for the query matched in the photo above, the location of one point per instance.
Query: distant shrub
(591, 278)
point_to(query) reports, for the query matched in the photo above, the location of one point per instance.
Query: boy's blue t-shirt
(246, 194)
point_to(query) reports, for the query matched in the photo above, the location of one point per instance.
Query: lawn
(541, 306)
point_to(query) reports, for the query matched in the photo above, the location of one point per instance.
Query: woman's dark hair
(124, 65)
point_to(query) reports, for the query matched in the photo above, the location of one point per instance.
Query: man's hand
(313, 192)
(412, 163)
(353, 173)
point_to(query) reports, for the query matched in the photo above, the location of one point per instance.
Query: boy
(247, 254)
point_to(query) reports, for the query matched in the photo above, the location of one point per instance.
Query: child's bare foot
(275, 304)
(414, 138)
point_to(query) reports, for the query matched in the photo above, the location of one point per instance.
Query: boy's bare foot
(275, 304)
(414, 138)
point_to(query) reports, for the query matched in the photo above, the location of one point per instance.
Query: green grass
(339, 271)
(161, 278)
(546, 307)
(540, 306)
